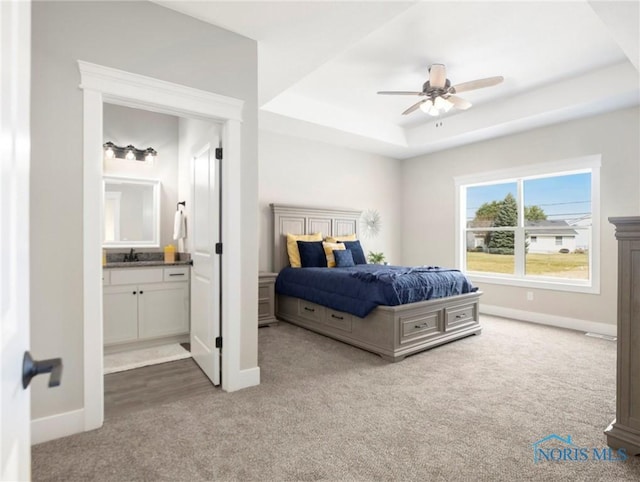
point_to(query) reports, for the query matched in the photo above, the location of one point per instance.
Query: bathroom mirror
(131, 213)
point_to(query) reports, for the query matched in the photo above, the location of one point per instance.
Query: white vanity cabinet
(145, 303)
(120, 314)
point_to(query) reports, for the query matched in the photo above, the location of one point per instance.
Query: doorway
(101, 84)
(172, 304)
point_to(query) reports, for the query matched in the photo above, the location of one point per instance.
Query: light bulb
(433, 111)
(130, 153)
(149, 157)
(109, 154)
(442, 104)
(426, 106)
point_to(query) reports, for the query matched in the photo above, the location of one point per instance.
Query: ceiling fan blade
(414, 107)
(476, 84)
(399, 92)
(459, 103)
(437, 76)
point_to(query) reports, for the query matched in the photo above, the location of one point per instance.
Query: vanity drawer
(339, 320)
(459, 316)
(311, 311)
(422, 326)
(176, 274)
(136, 275)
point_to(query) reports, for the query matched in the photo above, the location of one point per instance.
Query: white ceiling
(321, 63)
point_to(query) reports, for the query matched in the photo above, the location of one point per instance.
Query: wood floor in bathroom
(145, 387)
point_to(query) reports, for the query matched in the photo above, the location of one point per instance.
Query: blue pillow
(312, 254)
(344, 258)
(356, 251)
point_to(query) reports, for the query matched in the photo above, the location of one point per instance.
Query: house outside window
(537, 226)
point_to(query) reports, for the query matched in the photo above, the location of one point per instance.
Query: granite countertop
(116, 260)
(143, 264)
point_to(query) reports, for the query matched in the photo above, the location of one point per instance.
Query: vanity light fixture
(111, 151)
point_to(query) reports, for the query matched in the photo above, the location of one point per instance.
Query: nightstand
(266, 298)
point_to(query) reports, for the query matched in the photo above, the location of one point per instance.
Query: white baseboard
(245, 379)
(552, 320)
(57, 426)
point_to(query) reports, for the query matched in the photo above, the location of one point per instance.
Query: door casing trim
(103, 84)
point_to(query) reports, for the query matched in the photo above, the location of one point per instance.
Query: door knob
(31, 368)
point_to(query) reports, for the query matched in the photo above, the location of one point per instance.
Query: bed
(393, 332)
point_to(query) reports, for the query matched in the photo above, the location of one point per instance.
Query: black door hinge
(219, 153)
(219, 342)
(218, 248)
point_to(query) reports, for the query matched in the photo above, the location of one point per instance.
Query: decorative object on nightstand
(375, 258)
(370, 223)
(266, 298)
(624, 431)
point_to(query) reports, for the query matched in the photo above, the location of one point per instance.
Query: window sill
(538, 283)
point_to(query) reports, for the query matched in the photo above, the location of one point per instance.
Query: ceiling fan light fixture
(426, 106)
(441, 103)
(439, 96)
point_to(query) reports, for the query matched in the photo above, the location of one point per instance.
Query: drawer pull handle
(337, 317)
(141, 292)
(176, 274)
(309, 309)
(423, 325)
(134, 292)
(461, 316)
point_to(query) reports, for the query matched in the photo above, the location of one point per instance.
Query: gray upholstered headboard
(307, 220)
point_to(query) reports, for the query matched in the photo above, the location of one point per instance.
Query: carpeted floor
(466, 411)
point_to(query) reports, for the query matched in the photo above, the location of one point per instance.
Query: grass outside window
(558, 265)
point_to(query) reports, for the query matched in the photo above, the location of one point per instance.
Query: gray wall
(429, 197)
(311, 173)
(179, 49)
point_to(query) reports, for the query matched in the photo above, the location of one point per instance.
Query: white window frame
(590, 164)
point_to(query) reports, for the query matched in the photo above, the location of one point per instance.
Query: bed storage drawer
(459, 316)
(338, 319)
(311, 311)
(420, 327)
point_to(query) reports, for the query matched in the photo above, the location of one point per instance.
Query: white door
(205, 280)
(15, 55)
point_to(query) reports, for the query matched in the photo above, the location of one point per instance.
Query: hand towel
(179, 226)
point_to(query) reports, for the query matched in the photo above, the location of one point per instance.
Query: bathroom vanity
(145, 303)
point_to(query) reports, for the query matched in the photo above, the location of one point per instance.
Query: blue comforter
(358, 290)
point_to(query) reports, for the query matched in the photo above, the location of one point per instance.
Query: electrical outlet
(529, 295)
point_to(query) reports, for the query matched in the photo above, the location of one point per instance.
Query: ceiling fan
(438, 93)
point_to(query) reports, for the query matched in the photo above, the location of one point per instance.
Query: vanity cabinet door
(120, 314)
(163, 309)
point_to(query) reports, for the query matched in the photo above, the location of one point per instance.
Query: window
(536, 226)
